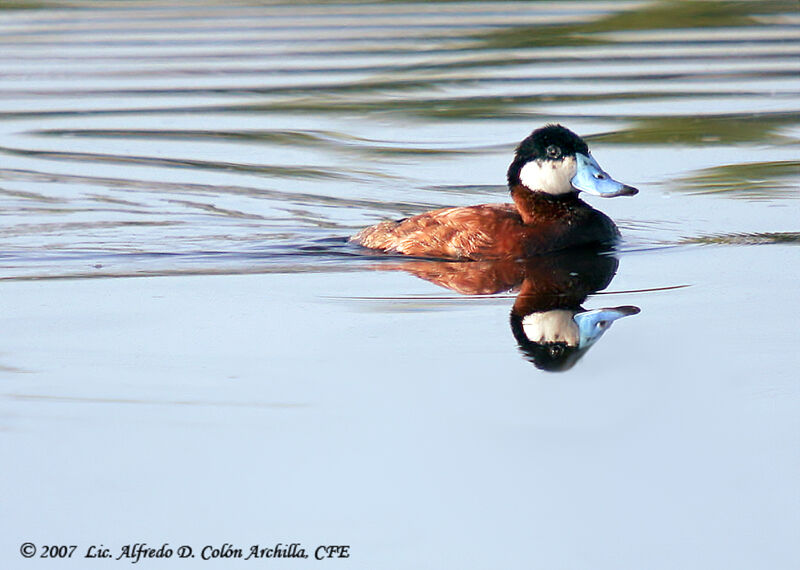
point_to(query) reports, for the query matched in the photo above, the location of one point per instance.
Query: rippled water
(337, 395)
(145, 138)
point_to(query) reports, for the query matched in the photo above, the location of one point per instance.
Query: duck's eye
(553, 151)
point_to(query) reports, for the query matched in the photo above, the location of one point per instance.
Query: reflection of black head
(552, 292)
(549, 356)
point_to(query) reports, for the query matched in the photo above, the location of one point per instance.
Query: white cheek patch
(552, 326)
(553, 177)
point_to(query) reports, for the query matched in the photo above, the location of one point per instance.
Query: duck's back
(493, 231)
(472, 232)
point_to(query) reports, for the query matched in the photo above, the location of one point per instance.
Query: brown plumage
(536, 223)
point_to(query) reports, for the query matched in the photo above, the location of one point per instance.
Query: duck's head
(556, 161)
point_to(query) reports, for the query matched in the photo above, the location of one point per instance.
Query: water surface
(193, 354)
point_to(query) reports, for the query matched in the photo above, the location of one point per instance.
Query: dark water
(263, 381)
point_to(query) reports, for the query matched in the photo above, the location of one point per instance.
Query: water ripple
(142, 138)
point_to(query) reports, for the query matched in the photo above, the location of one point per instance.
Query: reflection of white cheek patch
(552, 326)
(553, 177)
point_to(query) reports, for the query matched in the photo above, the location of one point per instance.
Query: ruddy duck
(550, 168)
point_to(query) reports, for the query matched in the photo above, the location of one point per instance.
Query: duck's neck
(536, 207)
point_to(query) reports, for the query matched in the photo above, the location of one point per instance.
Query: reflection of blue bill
(594, 323)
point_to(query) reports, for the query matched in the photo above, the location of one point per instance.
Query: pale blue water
(194, 356)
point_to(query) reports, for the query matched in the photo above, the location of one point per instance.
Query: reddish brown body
(536, 223)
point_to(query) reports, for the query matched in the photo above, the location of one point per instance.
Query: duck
(551, 167)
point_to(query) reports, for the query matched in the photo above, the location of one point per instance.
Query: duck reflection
(551, 327)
